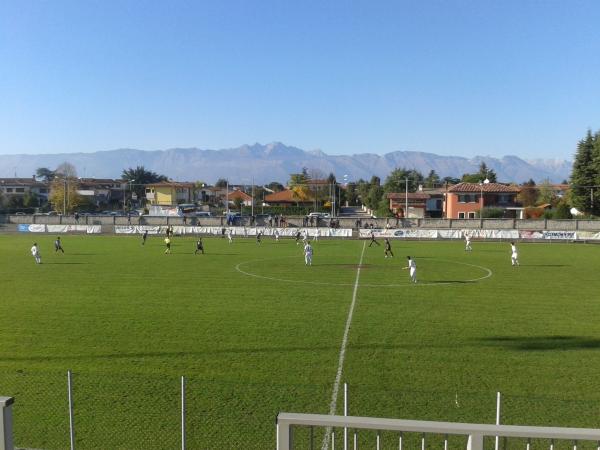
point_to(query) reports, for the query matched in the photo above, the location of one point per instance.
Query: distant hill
(275, 161)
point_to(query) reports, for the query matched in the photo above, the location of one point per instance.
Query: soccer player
(297, 237)
(199, 246)
(58, 245)
(305, 237)
(514, 255)
(373, 241)
(468, 247)
(35, 252)
(258, 237)
(144, 237)
(308, 251)
(168, 244)
(276, 234)
(230, 235)
(245, 232)
(388, 249)
(412, 266)
(317, 234)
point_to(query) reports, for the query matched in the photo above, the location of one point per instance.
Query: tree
(396, 180)
(238, 202)
(299, 185)
(451, 180)
(351, 194)
(583, 174)
(546, 194)
(484, 173)
(374, 197)
(432, 180)
(221, 183)
(529, 193)
(275, 186)
(139, 178)
(45, 174)
(66, 169)
(63, 194)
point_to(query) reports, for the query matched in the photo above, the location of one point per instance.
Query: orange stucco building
(465, 200)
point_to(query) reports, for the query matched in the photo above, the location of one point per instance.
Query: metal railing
(474, 432)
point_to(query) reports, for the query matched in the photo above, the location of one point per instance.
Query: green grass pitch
(255, 332)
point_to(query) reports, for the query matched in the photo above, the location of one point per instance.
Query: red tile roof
(286, 196)
(486, 187)
(239, 194)
(410, 196)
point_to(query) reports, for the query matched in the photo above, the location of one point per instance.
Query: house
(169, 193)
(286, 198)
(103, 191)
(416, 202)
(20, 188)
(245, 199)
(465, 200)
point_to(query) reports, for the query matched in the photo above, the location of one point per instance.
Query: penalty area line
(338, 375)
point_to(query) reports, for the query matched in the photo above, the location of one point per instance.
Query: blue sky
(448, 77)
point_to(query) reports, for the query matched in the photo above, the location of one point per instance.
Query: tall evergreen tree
(584, 176)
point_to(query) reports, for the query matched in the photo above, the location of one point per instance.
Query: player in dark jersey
(388, 249)
(373, 241)
(58, 245)
(144, 237)
(199, 246)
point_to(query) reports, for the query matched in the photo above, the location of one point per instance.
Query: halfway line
(338, 375)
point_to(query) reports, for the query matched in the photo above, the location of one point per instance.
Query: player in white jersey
(35, 252)
(514, 255)
(230, 235)
(468, 247)
(412, 267)
(276, 234)
(305, 237)
(317, 234)
(308, 252)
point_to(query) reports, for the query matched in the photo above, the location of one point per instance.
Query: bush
(491, 213)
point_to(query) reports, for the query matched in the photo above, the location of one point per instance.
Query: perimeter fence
(144, 411)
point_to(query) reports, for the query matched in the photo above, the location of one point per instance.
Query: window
(471, 215)
(504, 198)
(9, 189)
(467, 198)
(461, 215)
(20, 190)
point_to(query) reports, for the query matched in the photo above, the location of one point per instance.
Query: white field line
(338, 375)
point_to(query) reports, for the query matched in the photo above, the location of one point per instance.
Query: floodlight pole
(406, 199)
(252, 207)
(481, 200)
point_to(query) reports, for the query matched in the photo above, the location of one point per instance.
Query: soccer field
(255, 332)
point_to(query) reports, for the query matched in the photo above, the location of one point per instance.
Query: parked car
(203, 214)
(319, 215)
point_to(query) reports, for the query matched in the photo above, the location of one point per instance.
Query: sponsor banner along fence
(412, 233)
(42, 228)
(236, 231)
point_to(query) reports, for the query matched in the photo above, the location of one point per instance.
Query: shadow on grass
(175, 354)
(548, 265)
(537, 343)
(66, 262)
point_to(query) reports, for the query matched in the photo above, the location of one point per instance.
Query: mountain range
(276, 161)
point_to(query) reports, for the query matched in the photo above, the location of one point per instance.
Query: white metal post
(6, 431)
(345, 414)
(284, 435)
(182, 413)
(498, 399)
(475, 442)
(71, 417)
